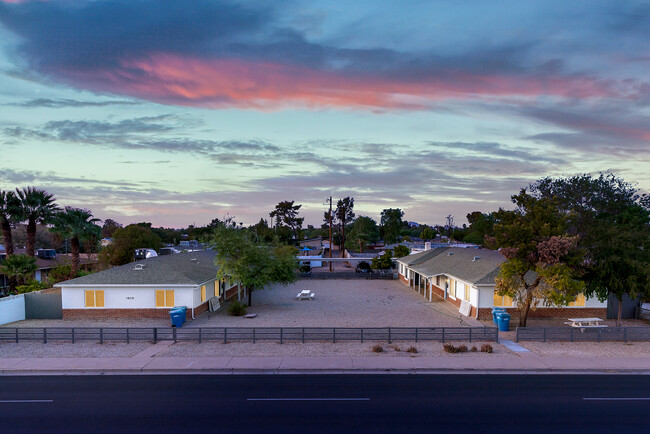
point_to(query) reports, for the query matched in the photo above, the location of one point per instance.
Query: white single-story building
(147, 288)
(465, 274)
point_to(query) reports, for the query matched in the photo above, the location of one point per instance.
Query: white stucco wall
(486, 296)
(120, 297)
(12, 308)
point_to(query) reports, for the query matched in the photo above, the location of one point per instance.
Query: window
(216, 288)
(202, 293)
(94, 298)
(579, 301)
(452, 288)
(502, 300)
(164, 298)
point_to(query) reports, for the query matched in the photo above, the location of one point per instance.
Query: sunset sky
(177, 112)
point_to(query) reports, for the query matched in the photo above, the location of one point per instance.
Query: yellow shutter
(216, 288)
(90, 298)
(99, 298)
(169, 298)
(160, 298)
(507, 301)
(202, 293)
(466, 292)
(498, 299)
(579, 301)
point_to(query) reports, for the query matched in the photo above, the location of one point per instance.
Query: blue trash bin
(182, 308)
(496, 310)
(504, 321)
(176, 316)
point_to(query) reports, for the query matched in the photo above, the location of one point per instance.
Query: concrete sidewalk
(147, 363)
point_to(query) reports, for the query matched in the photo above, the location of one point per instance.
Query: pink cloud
(220, 83)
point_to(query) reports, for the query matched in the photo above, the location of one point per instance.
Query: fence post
(572, 334)
(155, 335)
(281, 334)
(624, 334)
(174, 333)
(44, 335)
(303, 335)
(544, 334)
(16, 335)
(443, 335)
(334, 335)
(389, 340)
(200, 337)
(361, 334)
(101, 335)
(127, 336)
(470, 335)
(254, 334)
(599, 335)
(416, 335)
(496, 335)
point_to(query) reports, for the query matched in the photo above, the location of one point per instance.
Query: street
(325, 403)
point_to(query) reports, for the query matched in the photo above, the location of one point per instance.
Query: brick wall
(550, 312)
(162, 313)
(231, 292)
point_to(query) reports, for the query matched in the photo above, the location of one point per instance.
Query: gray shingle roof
(190, 268)
(420, 257)
(461, 264)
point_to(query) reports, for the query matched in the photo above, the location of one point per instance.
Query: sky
(177, 112)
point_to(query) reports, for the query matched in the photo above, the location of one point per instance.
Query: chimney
(427, 245)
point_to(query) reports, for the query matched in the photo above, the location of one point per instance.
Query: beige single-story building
(468, 275)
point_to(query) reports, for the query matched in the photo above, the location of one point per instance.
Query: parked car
(363, 267)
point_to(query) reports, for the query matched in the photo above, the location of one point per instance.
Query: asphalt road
(326, 403)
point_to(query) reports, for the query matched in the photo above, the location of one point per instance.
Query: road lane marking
(616, 399)
(307, 399)
(27, 401)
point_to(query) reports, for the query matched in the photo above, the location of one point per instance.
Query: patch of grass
(412, 350)
(237, 309)
(486, 348)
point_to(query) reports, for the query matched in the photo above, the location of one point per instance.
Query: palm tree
(9, 208)
(77, 225)
(19, 268)
(37, 207)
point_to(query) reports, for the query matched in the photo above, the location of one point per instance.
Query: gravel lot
(322, 349)
(589, 349)
(68, 350)
(342, 303)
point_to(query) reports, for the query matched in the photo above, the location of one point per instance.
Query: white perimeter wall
(126, 297)
(12, 309)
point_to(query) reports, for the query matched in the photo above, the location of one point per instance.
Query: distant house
(106, 241)
(462, 274)
(312, 243)
(147, 288)
(48, 259)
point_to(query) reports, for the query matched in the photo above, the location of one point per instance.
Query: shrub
(449, 348)
(377, 349)
(412, 350)
(474, 349)
(237, 309)
(462, 349)
(30, 286)
(486, 348)
(396, 348)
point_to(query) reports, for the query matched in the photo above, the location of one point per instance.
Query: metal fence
(585, 334)
(238, 334)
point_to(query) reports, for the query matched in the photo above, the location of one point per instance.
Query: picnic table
(305, 294)
(584, 323)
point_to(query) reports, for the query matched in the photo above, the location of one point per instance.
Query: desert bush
(396, 348)
(237, 309)
(449, 348)
(412, 350)
(486, 348)
(462, 349)
(474, 349)
(377, 349)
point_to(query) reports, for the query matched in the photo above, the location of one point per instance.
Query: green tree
(9, 208)
(109, 227)
(125, 241)
(480, 226)
(400, 251)
(19, 269)
(344, 215)
(427, 233)
(383, 262)
(363, 231)
(613, 222)
(286, 214)
(391, 224)
(240, 258)
(78, 225)
(542, 262)
(36, 207)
